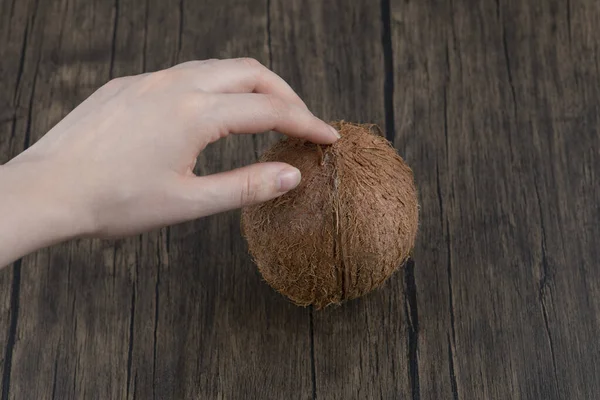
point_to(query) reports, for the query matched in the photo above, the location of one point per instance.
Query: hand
(122, 162)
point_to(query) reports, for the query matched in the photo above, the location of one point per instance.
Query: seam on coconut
(328, 158)
(337, 240)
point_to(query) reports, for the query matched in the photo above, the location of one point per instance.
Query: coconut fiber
(345, 229)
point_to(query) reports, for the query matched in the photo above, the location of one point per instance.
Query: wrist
(36, 209)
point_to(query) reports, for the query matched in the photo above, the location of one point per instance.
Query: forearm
(33, 212)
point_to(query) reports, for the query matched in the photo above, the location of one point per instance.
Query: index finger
(239, 75)
(255, 113)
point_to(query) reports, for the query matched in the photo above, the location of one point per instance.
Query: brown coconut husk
(345, 229)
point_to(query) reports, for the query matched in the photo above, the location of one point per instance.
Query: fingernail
(335, 132)
(288, 179)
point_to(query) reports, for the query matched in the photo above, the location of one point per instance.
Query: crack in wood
(388, 66)
(168, 243)
(54, 377)
(453, 384)
(21, 64)
(113, 47)
(412, 316)
(134, 387)
(313, 371)
(446, 222)
(269, 44)
(156, 315)
(114, 265)
(145, 46)
(180, 31)
(447, 140)
(131, 338)
(452, 335)
(450, 291)
(513, 92)
(12, 328)
(454, 39)
(543, 284)
(509, 70)
(75, 376)
(12, 9)
(27, 140)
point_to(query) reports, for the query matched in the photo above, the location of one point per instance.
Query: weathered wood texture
(495, 105)
(496, 108)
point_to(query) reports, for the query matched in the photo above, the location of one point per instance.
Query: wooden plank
(15, 87)
(420, 72)
(332, 53)
(557, 100)
(496, 105)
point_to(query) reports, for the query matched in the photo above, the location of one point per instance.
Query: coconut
(345, 229)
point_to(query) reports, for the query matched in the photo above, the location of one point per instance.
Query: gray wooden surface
(495, 105)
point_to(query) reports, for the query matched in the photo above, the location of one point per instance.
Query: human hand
(122, 162)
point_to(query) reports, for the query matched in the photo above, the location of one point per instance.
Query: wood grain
(494, 104)
(491, 110)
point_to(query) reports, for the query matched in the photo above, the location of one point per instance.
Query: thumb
(241, 187)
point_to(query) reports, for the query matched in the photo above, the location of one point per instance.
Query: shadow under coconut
(332, 348)
(371, 333)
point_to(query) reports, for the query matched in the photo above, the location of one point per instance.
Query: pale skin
(122, 162)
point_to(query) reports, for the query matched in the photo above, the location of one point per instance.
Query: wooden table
(495, 105)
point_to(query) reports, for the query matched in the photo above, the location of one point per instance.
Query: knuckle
(113, 85)
(162, 76)
(255, 69)
(250, 190)
(191, 64)
(156, 80)
(195, 63)
(190, 103)
(250, 62)
(116, 82)
(277, 107)
(199, 110)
